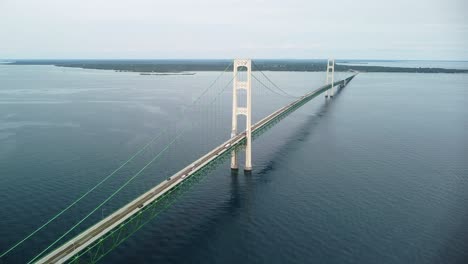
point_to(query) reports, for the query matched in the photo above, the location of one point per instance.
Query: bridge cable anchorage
(177, 136)
(274, 84)
(137, 153)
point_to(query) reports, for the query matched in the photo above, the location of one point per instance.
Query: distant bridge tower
(246, 111)
(330, 77)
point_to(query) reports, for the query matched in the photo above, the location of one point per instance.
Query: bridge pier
(330, 77)
(129, 218)
(246, 111)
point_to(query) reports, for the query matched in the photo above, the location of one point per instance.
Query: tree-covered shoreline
(178, 66)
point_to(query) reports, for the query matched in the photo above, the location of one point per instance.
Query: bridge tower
(246, 111)
(330, 77)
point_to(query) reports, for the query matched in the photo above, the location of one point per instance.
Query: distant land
(168, 73)
(180, 66)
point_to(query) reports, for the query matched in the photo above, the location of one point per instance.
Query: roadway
(80, 242)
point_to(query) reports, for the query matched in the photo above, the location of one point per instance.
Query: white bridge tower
(330, 77)
(246, 111)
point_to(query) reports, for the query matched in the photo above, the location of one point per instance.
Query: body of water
(410, 63)
(379, 174)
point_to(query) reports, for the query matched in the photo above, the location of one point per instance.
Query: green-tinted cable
(113, 194)
(82, 197)
(107, 177)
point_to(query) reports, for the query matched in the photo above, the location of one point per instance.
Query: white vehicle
(227, 145)
(184, 176)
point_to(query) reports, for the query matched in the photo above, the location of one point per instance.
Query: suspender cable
(155, 138)
(177, 136)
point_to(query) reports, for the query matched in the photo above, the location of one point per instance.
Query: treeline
(176, 66)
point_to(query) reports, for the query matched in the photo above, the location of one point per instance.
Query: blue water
(410, 63)
(378, 175)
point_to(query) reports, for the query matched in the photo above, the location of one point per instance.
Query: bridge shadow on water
(301, 134)
(199, 240)
(243, 184)
(242, 189)
(296, 139)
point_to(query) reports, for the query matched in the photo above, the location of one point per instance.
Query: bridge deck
(80, 242)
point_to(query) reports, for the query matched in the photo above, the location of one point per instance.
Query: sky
(217, 29)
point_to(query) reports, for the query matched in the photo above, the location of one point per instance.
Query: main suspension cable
(177, 136)
(155, 138)
(274, 84)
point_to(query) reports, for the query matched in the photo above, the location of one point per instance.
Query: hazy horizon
(338, 60)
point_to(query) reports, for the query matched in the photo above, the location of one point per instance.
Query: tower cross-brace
(330, 77)
(246, 111)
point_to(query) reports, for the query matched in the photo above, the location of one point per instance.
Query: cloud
(226, 29)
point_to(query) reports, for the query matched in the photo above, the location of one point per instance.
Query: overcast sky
(151, 29)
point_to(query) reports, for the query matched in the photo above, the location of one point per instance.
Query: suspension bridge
(101, 238)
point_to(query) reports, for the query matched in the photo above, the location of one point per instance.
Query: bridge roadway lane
(78, 243)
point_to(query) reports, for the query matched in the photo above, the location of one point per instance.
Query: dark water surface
(378, 175)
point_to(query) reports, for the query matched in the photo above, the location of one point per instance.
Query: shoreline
(187, 67)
